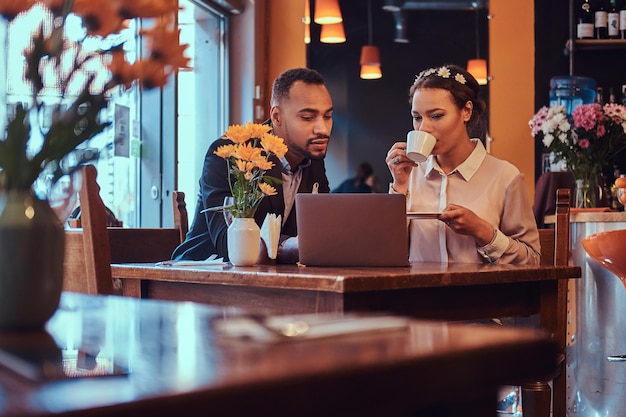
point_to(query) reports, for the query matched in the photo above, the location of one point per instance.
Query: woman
(486, 215)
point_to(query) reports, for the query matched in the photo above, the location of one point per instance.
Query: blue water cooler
(571, 91)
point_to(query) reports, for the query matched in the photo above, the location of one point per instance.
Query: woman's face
(434, 111)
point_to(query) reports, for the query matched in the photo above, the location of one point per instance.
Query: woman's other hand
(465, 222)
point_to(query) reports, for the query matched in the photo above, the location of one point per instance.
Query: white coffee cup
(419, 145)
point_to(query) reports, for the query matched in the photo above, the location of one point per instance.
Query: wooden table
(425, 290)
(179, 363)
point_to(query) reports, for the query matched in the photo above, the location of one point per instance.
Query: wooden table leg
(131, 288)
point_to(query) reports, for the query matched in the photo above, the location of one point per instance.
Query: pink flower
(537, 121)
(583, 143)
(587, 116)
(600, 131)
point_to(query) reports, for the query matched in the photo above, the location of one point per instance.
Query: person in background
(486, 214)
(358, 183)
(301, 112)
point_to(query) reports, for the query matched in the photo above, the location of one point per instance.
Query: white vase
(31, 261)
(244, 239)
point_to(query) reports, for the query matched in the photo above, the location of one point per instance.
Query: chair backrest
(181, 218)
(87, 266)
(555, 243)
(90, 251)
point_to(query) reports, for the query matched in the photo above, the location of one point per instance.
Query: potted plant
(247, 152)
(31, 235)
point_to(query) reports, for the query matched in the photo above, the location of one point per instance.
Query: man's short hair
(282, 83)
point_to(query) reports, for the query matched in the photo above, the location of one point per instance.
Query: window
(202, 92)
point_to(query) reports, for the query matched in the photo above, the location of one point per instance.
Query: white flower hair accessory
(443, 72)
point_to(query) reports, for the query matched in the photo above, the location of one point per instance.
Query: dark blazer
(207, 234)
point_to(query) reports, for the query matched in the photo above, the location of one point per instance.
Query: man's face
(304, 120)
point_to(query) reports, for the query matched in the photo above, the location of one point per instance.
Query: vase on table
(32, 239)
(585, 194)
(244, 240)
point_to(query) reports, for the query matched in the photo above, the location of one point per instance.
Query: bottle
(584, 29)
(600, 21)
(599, 96)
(611, 95)
(623, 94)
(613, 30)
(622, 21)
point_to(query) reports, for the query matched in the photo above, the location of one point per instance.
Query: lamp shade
(307, 12)
(478, 69)
(333, 33)
(370, 55)
(307, 22)
(327, 12)
(307, 33)
(371, 72)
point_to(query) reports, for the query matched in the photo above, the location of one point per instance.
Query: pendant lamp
(370, 54)
(478, 67)
(333, 33)
(307, 22)
(327, 12)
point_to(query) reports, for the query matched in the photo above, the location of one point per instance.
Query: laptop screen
(352, 229)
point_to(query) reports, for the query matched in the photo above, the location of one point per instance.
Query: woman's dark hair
(462, 86)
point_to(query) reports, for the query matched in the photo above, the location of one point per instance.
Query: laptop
(352, 229)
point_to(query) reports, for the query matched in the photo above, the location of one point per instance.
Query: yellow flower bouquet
(64, 83)
(248, 161)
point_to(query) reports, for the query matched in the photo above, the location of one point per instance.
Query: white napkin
(270, 233)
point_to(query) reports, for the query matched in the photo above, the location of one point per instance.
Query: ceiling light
(307, 22)
(327, 12)
(370, 54)
(392, 5)
(478, 69)
(371, 72)
(333, 33)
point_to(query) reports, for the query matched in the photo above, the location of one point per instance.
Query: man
(301, 113)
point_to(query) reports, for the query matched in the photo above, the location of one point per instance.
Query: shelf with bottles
(597, 25)
(594, 44)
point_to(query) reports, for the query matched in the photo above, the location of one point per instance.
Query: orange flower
(274, 144)
(147, 8)
(237, 133)
(267, 189)
(164, 46)
(100, 17)
(263, 164)
(225, 151)
(151, 73)
(248, 152)
(256, 130)
(122, 72)
(11, 8)
(244, 166)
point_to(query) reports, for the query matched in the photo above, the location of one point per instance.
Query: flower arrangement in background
(588, 141)
(54, 62)
(248, 161)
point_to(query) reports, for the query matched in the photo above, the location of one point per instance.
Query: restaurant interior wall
(511, 65)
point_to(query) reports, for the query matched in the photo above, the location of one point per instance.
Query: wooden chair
(89, 251)
(555, 250)
(181, 219)
(555, 242)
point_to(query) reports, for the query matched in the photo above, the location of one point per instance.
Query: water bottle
(572, 91)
